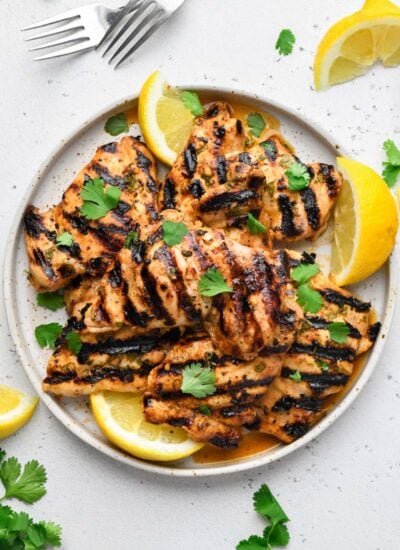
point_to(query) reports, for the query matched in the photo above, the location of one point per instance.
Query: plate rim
(72, 424)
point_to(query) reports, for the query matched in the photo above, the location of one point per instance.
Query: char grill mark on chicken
(128, 165)
(221, 189)
(255, 315)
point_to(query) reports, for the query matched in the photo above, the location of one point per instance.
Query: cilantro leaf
(19, 522)
(203, 409)
(254, 226)
(296, 376)
(98, 199)
(276, 534)
(46, 335)
(28, 486)
(173, 232)
(256, 123)
(392, 152)
(36, 534)
(391, 167)
(213, 283)
(390, 173)
(192, 102)
(50, 300)
(322, 365)
(338, 332)
(132, 236)
(308, 298)
(303, 272)
(74, 342)
(198, 381)
(252, 543)
(266, 504)
(285, 42)
(2, 455)
(298, 176)
(116, 124)
(53, 532)
(65, 239)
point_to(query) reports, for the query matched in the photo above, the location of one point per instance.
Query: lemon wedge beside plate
(16, 409)
(356, 42)
(366, 223)
(120, 418)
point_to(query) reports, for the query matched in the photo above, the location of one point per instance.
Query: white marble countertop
(341, 491)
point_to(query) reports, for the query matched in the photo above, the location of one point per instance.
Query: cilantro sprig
(50, 300)
(132, 236)
(338, 332)
(98, 199)
(46, 335)
(192, 102)
(65, 239)
(17, 529)
(74, 342)
(285, 42)
(308, 298)
(173, 232)
(116, 124)
(276, 533)
(198, 381)
(391, 167)
(254, 226)
(296, 376)
(213, 283)
(256, 123)
(298, 176)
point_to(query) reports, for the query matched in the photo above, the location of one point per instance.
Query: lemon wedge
(356, 42)
(165, 122)
(120, 418)
(366, 223)
(16, 408)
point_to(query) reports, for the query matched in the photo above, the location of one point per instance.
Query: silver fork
(86, 27)
(134, 25)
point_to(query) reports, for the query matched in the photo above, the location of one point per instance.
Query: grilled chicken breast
(219, 181)
(160, 290)
(128, 165)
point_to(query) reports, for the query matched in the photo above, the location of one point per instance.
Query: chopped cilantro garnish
(213, 283)
(298, 176)
(98, 199)
(254, 226)
(132, 236)
(65, 239)
(391, 167)
(192, 102)
(74, 342)
(296, 376)
(303, 272)
(309, 299)
(50, 300)
(173, 232)
(46, 335)
(204, 410)
(198, 381)
(116, 124)
(338, 332)
(285, 42)
(256, 123)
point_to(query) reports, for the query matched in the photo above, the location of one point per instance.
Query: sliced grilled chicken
(128, 165)
(161, 290)
(216, 180)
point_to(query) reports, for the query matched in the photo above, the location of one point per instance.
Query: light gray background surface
(343, 490)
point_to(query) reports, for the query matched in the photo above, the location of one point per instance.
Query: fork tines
(132, 29)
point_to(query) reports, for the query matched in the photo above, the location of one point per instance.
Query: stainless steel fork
(134, 25)
(86, 26)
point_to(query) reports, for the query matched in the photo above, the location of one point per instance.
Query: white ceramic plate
(311, 143)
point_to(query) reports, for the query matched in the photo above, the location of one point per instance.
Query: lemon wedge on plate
(165, 121)
(120, 418)
(366, 223)
(16, 408)
(356, 42)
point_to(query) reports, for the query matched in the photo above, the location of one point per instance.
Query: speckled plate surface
(311, 144)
